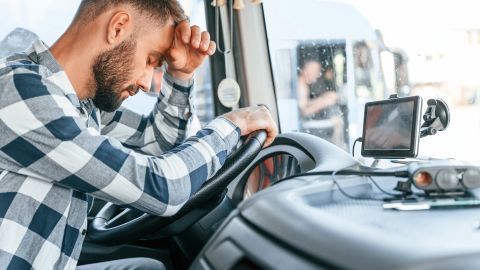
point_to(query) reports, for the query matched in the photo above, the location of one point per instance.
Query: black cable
(369, 174)
(348, 172)
(335, 182)
(381, 189)
(359, 139)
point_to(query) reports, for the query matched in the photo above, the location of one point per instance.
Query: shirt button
(84, 231)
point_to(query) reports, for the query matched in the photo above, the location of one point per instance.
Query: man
(317, 101)
(309, 101)
(63, 135)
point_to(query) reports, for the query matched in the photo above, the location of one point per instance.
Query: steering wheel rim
(105, 228)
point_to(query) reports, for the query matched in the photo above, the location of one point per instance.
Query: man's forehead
(161, 36)
(144, 22)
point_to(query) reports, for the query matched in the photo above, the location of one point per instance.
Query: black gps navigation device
(391, 128)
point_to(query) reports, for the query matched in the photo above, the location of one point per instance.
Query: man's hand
(189, 48)
(254, 118)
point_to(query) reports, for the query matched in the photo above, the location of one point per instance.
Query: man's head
(311, 71)
(130, 38)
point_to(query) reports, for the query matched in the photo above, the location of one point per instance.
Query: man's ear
(119, 27)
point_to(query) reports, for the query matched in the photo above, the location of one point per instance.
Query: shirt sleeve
(44, 137)
(163, 129)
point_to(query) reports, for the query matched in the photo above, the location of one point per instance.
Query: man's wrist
(179, 75)
(227, 130)
(182, 85)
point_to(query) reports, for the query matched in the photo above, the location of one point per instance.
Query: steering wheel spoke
(117, 219)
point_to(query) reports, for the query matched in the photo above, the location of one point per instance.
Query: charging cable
(359, 139)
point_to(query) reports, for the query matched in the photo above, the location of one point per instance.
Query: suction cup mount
(436, 117)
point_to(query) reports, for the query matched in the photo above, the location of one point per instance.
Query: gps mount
(436, 117)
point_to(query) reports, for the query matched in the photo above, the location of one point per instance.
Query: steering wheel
(112, 228)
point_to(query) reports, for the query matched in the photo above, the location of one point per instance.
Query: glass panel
(314, 67)
(376, 48)
(203, 98)
(320, 93)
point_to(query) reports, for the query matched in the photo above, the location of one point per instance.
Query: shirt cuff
(227, 130)
(182, 85)
(177, 93)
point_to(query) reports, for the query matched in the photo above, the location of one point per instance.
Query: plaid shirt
(54, 149)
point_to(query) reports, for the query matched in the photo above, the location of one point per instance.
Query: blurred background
(441, 40)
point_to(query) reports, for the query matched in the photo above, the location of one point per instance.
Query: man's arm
(310, 106)
(55, 145)
(160, 131)
(166, 126)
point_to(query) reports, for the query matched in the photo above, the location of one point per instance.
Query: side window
(203, 96)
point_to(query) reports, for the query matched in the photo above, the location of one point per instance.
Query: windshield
(331, 57)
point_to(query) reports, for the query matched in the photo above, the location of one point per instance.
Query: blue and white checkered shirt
(54, 149)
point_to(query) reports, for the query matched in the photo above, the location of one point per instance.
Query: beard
(112, 70)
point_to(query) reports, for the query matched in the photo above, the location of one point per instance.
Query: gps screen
(389, 126)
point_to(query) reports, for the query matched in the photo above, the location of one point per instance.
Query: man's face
(312, 71)
(112, 71)
(121, 71)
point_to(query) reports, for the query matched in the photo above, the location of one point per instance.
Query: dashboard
(306, 223)
(289, 155)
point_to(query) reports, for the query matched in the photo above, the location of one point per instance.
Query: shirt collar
(40, 54)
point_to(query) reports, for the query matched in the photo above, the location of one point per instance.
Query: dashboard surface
(306, 223)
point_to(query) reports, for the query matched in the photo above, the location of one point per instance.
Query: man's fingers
(189, 49)
(252, 119)
(205, 36)
(184, 31)
(196, 37)
(269, 126)
(271, 134)
(211, 48)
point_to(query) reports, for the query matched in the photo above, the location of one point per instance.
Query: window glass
(331, 57)
(321, 76)
(203, 98)
(48, 19)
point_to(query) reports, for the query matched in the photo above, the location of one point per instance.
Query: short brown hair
(158, 10)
